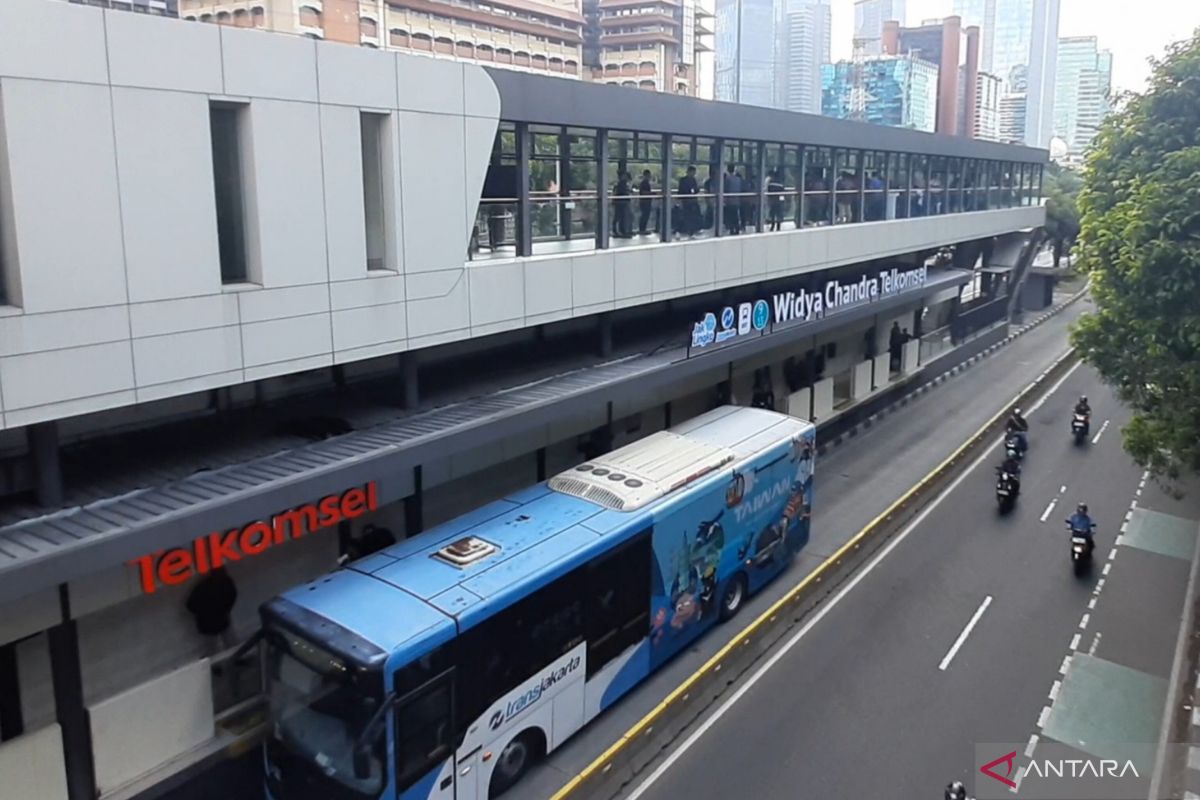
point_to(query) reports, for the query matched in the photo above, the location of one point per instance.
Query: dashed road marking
(1049, 508)
(1099, 433)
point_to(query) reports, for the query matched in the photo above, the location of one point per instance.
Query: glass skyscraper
(1019, 46)
(1082, 91)
(869, 16)
(769, 52)
(896, 90)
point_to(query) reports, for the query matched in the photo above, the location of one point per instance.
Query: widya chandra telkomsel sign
(172, 567)
(804, 305)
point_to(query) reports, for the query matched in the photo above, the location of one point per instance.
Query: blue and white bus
(441, 667)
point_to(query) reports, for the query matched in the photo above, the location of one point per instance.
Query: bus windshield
(321, 709)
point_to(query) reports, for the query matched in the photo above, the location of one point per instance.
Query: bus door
(424, 719)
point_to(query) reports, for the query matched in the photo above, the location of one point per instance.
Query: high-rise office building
(652, 44)
(769, 52)
(900, 91)
(804, 47)
(1082, 91)
(955, 51)
(746, 58)
(1018, 45)
(869, 16)
(986, 123)
(1011, 118)
(1043, 56)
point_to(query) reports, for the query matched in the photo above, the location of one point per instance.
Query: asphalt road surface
(969, 628)
(854, 483)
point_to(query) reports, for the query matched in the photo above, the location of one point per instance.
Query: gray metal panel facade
(77, 542)
(558, 101)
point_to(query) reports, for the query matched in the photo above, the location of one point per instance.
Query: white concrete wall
(910, 356)
(822, 401)
(860, 380)
(144, 727)
(113, 247)
(32, 765)
(880, 373)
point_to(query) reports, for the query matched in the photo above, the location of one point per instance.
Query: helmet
(1081, 508)
(956, 791)
(1016, 412)
(1083, 398)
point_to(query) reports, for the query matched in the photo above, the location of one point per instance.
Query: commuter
(622, 213)
(895, 344)
(710, 202)
(749, 217)
(733, 186)
(645, 203)
(763, 395)
(876, 197)
(774, 201)
(689, 222)
(211, 604)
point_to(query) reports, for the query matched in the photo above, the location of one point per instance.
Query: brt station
(870, 259)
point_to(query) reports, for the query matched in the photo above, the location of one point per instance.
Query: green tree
(1062, 212)
(1140, 241)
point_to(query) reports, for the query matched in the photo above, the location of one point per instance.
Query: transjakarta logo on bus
(171, 567)
(534, 693)
(804, 306)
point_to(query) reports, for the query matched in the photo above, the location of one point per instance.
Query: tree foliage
(1140, 241)
(1061, 189)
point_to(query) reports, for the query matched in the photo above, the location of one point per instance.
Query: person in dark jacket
(645, 202)
(689, 187)
(211, 603)
(774, 201)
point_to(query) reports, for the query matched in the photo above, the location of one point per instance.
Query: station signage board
(175, 566)
(803, 305)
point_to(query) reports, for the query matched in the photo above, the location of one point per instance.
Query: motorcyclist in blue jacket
(1080, 522)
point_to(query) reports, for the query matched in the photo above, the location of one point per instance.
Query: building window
(374, 168)
(228, 123)
(310, 17)
(367, 27)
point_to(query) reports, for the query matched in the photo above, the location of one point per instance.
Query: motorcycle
(1079, 427)
(1012, 446)
(1007, 489)
(1082, 546)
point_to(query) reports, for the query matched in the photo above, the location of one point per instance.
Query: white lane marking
(1083, 623)
(1075, 642)
(1049, 508)
(1054, 690)
(1066, 664)
(1112, 554)
(1020, 775)
(749, 683)
(1062, 490)
(1124, 527)
(1107, 567)
(1095, 644)
(1033, 740)
(1099, 585)
(1099, 433)
(962, 637)
(1092, 603)
(1042, 717)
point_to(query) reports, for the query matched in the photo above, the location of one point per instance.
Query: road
(959, 633)
(855, 482)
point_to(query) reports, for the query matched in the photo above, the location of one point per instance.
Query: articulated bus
(441, 667)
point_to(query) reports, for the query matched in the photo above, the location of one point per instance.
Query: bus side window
(423, 731)
(618, 594)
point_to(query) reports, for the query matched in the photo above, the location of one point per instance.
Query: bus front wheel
(734, 596)
(513, 761)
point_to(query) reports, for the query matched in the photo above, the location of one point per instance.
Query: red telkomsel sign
(172, 567)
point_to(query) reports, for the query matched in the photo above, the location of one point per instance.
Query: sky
(1131, 29)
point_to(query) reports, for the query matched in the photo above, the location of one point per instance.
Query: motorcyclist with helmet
(1081, 524)
(1082, 407)
(955, 790)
